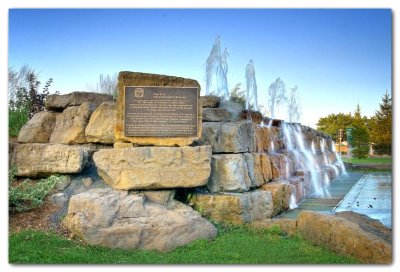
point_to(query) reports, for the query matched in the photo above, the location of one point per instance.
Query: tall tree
(360, 135)
(381, 126)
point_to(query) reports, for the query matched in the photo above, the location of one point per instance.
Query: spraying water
(217, 65)
(251, 87)
(277, 95)
(294, 105)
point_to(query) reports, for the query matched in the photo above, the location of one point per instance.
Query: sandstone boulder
(216, 115)
(154, 167)
(259, 166)
(234, 208)
(229, 137)
(279, 166)
(210, 101)
(117, 219)
(101, 126)
(234, 108)
(281, 193)
(255, 116)
(229, 173)
(60, 102)
(36, 160)
(71, 123)
(39, 128)
(344, 237)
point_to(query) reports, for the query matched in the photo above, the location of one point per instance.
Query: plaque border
(175, 87)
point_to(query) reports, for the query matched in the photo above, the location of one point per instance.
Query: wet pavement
(372, 196)
(366, 193)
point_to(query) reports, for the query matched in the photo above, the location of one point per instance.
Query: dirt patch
(37, 219)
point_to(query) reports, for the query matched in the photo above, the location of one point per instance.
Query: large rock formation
(101, 126)
(36, 160)
(39, 128)
(344, 236)
(154, 167)
(235, 208)
(60, 102)
(144, 79)
(117, 219)
(71, 124)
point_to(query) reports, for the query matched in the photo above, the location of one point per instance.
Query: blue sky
(336, 57)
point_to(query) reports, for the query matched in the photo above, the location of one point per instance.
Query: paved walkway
(372, 196)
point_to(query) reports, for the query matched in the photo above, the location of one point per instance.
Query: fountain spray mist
(251, 87)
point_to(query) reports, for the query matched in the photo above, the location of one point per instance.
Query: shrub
(28, 194)
(16, 120)
(24, 97)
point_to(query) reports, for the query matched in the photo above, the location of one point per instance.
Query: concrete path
(372, 196)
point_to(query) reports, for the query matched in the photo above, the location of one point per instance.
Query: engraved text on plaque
(161, 111)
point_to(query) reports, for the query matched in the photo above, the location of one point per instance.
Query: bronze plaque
(161, 111)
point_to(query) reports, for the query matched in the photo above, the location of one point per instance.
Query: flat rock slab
(234, 208)
(38, 160)
(117, 219)
(154, 167)
(59, 102)
(39, 128)
(344, 236)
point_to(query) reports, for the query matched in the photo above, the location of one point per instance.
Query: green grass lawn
(232, 246)
(383, 160)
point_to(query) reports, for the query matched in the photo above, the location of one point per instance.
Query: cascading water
(305, 159)
(339, 160)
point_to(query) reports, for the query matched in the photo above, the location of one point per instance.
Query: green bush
(25, 99)
(28, 194)
(17, 118)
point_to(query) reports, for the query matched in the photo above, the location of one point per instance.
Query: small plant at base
(28, 195)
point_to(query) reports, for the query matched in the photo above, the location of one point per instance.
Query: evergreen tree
(381, 127)
(360, 135)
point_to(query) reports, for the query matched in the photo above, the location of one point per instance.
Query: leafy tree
(333, 122)
(381, 127)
